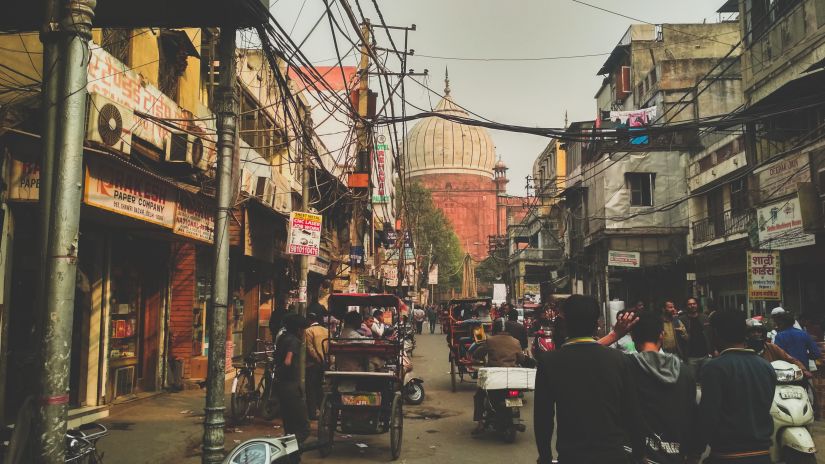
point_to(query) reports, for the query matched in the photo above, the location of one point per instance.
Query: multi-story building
(631, 189)
(145, 249)
(535, 242)
(782, 78)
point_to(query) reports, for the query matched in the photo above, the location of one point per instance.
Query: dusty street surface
(439, 429)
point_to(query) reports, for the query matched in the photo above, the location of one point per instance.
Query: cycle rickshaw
(365, 399)
(463, 330)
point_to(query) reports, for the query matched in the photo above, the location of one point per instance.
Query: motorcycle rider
(502, 350)
(516, 328)
(758, 342)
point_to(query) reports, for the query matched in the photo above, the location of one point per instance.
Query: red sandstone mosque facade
(457, 163)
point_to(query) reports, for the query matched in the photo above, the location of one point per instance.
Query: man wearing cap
(288, 386)
(316, 337)
(775, 313)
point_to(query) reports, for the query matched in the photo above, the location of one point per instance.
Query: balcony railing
(728, 223)
(536, 254)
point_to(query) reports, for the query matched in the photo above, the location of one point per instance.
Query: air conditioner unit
(185, 148)
(265, 190)
(109, 124)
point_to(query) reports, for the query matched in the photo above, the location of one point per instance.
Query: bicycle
(246, 393)
(81, 443)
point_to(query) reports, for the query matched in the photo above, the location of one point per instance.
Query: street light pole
(225, 108)
(63, 162)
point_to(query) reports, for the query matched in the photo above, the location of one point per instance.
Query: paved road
(439, 429)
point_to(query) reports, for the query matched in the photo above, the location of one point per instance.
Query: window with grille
(117, 43)
(641, 185)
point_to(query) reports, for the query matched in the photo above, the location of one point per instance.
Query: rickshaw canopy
(339, 303)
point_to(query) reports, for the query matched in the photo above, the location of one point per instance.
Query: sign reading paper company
(623, 258)
(194, 219)
(304, 234)
(764, 281)
(121, 190)
(780, 226)
(25, 181)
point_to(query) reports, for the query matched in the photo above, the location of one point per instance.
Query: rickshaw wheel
(326, 426)
(396, 426)
(452, 373)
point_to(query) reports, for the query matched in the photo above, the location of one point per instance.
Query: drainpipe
(63, 162)
(225, 108)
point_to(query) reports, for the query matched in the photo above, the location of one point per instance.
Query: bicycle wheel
(270, 405)
(243, 395)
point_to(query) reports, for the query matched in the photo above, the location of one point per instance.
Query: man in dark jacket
(737, 393)
(515, 328)
(592, 389)
(667, 393)
(288, 387)
(697, 348)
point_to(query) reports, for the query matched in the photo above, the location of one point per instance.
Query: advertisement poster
(304, 234)
(780, 226)
(120, 190)
(432, 276)
(380, 194)
(623, 258)
(194, 219)
(764, 281)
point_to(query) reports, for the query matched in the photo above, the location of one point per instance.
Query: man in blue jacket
(795, 342)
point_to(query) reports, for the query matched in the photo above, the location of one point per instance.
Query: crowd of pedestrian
(603, 395)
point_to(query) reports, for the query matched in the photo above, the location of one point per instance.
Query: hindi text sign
(764, 281)
(623, 258)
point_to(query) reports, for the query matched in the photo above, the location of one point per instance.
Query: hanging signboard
(432, 276)
(194, 219)
(623, 258)
(25, 181)
(123, 191)
(780, 226)
(380, 194)
(390, 274)
(304, 234)
(764, 280)
(780, 178)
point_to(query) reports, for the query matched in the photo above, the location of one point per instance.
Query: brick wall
(182, 302)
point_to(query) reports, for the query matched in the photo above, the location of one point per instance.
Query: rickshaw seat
(361, 357)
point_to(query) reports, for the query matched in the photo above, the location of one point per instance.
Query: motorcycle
(792, 413)
(542, 341)
(504, 389)
(413, 389)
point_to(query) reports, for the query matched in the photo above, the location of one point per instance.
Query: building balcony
(723, 225)
(539, 255)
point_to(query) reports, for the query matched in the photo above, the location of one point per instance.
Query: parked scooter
(542, 341)
(413, 389)
(792, 413)
(281, 450)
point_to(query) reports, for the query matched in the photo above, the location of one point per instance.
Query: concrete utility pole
(304, 259)
(361, 131)
(65, 61)
(226, 111)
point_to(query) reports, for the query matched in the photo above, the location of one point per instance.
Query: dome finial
(446, 81)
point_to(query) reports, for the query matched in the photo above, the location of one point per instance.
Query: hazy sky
(530, 93)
